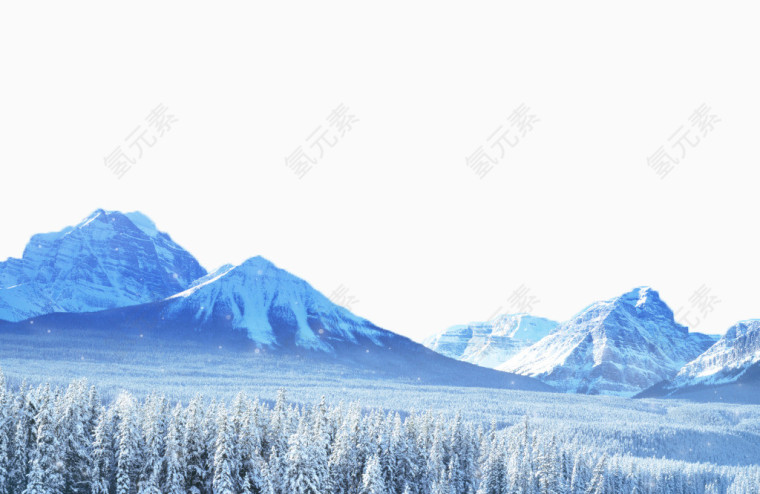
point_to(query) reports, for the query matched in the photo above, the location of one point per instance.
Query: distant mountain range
(493, 342)
(116, 273)
(628, 345)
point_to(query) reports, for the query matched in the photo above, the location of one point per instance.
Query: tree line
(66, 441)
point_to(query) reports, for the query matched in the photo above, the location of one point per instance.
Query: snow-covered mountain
(258, 309)
(619, 346)
(273, 307)
(727, 370)
(108, 260)
(493, 342)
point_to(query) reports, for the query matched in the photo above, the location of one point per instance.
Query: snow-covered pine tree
(6, 434)
(73, 429)
(598, 478)
(194, 448)
(128, 456)
(45, 474)
(101, 473)
(372, 478)
(24, 438)
(224, 467)
(174, 456)
(494, 476)
(306, 462)
(153, 435)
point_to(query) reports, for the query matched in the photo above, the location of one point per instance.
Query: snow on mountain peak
(640, 296)
(143, 223)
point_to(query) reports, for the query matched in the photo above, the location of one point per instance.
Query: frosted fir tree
(224, 466)
(73, 429)
(6, 434)
(344, 464)
(598, 479)
(154, 434)
(405, 461)
(438, 458)
(101, 471)
(494, 476)
(174, 456)
(195, 451)
(463, 448)
(46, 471)
(129, 448)
(372, 478)
(306, 464)
(24, 438)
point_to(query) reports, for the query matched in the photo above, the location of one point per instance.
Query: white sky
(391, 212)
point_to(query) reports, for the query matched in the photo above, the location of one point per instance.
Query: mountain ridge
(619, 346)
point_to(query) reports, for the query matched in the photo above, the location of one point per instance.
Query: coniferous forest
(65, 440)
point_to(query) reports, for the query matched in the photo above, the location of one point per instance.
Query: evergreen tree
(46, 471)
(101, 471)
(223, 457)
(128, 452)
(598, 480)
(372, 478)
(174, 456)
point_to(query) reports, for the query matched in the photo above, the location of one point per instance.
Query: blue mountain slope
(257, 307)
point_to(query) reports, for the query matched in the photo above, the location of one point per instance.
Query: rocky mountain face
(491, 343)
(108, 260)
(619, 346)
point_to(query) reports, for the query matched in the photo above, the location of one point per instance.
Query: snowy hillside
(620, 346)
(108, 260)
(493, 342)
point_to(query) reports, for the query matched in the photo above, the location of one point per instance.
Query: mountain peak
(742, 329)
(272, 306)
(107, 260)
(258, 263)
(640, 296)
